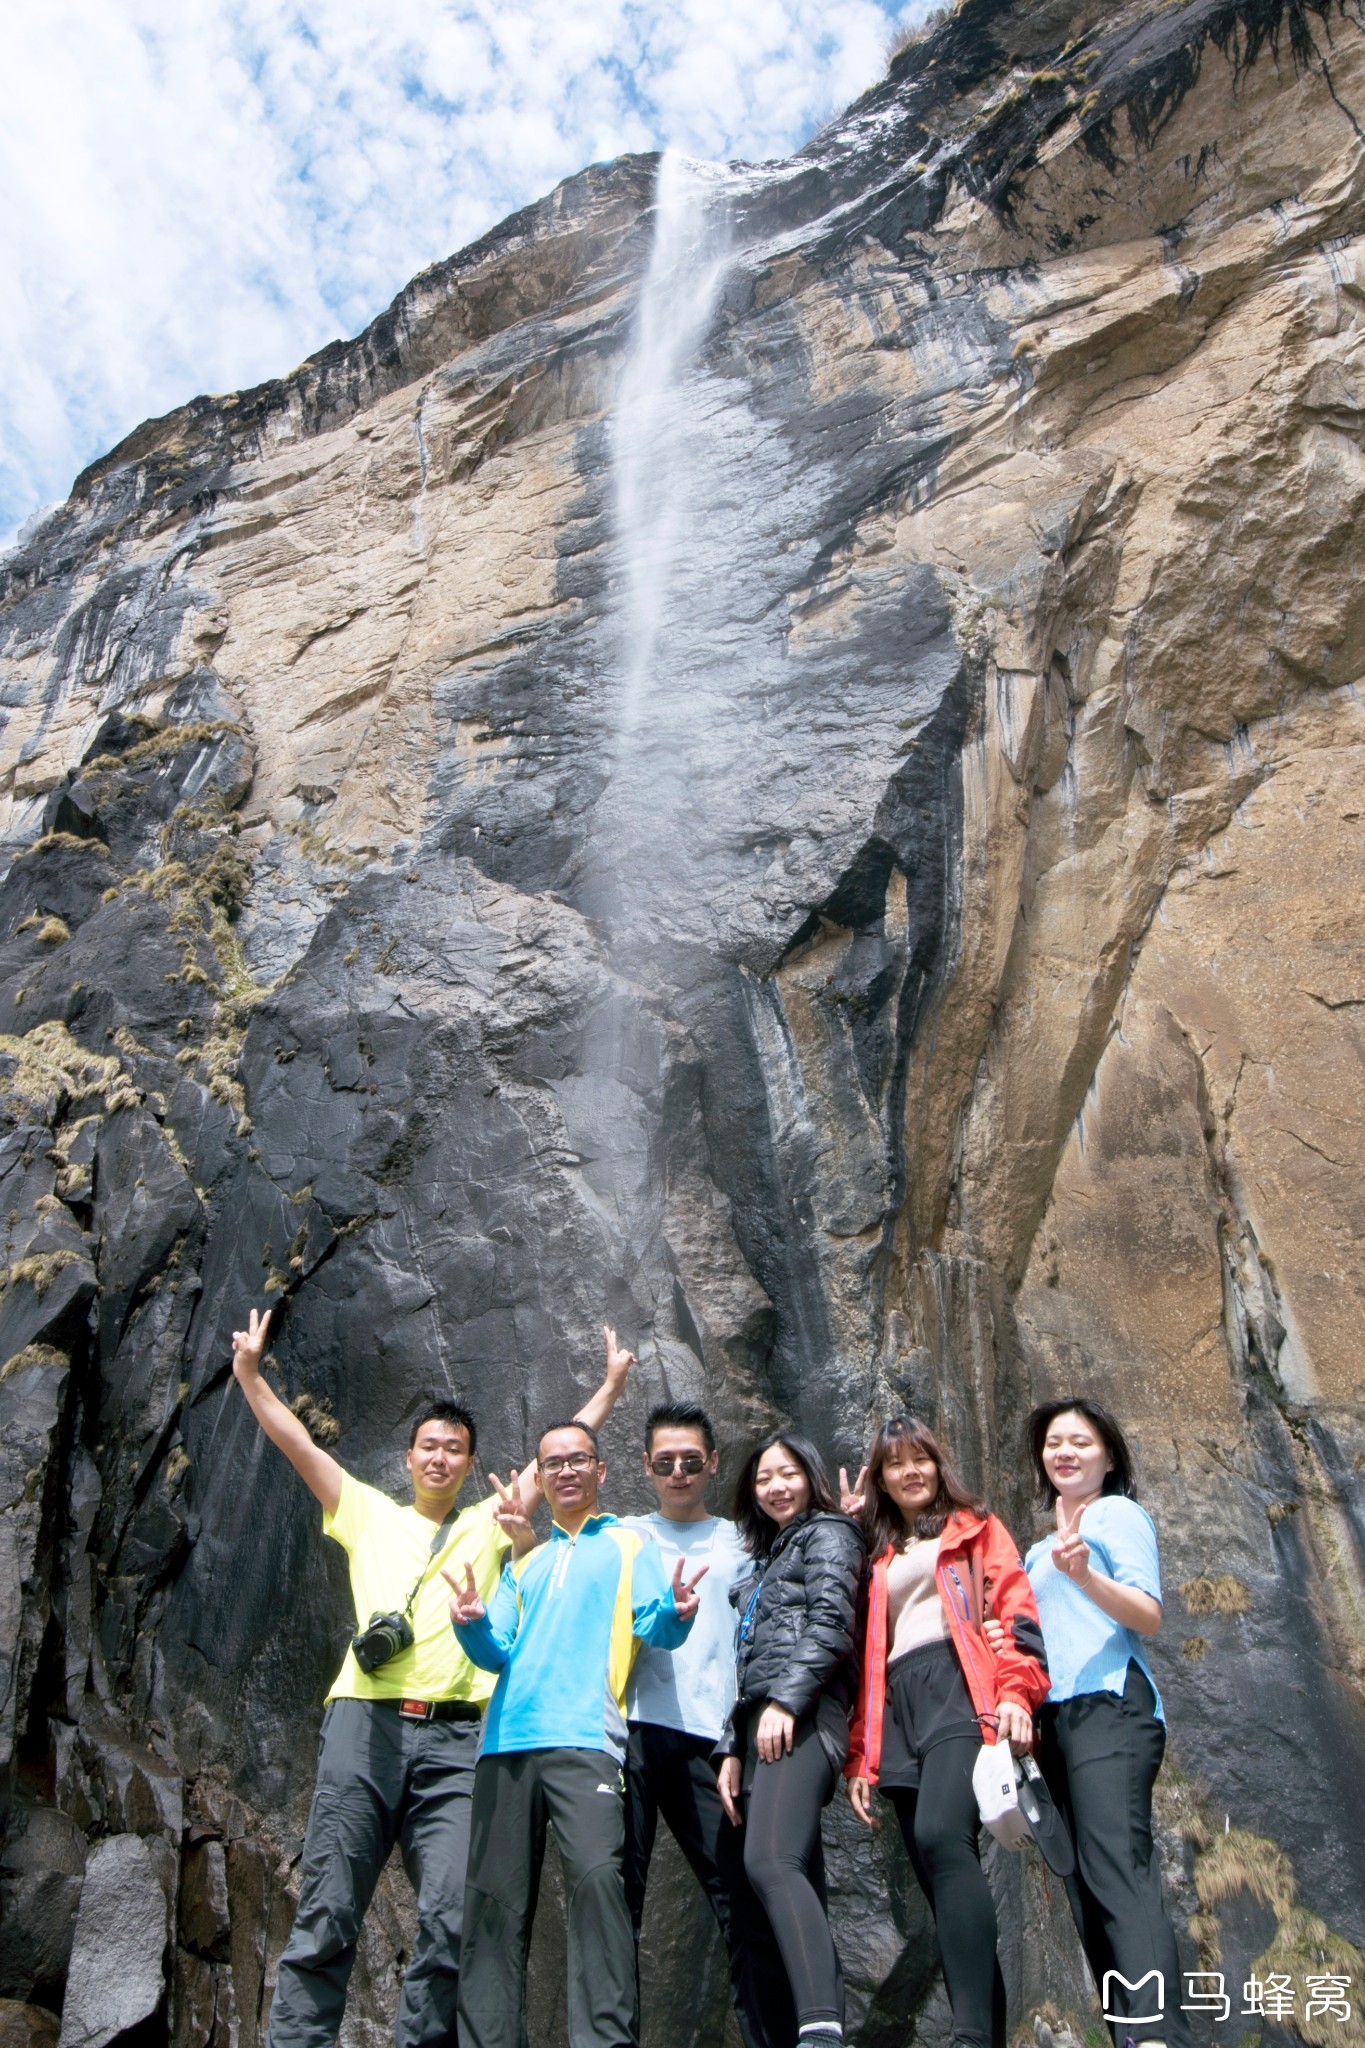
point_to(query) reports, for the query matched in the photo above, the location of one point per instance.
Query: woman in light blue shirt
(1097, 1582)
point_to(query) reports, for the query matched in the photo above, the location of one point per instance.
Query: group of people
(722, 1674)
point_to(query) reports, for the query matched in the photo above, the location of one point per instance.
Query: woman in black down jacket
(787, 1741)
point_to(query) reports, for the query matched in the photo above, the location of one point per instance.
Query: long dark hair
(882, 1520)
(1118, 1479)
(758, 1530)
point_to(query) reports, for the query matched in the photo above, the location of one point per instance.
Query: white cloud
(199, 193)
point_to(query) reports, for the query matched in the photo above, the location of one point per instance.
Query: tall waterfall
(668, 602)
(716, 508)
(662, 449)
(704, 500)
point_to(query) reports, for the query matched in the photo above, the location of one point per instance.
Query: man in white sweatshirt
(677, 1704)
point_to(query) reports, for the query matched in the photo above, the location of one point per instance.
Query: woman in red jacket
(932, 1691)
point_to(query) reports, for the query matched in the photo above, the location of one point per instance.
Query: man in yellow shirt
(400, 1734)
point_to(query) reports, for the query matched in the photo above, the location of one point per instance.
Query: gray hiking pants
(381, 1779)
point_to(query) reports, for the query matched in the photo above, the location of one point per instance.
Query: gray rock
(137, 1792)
(192, 2001)
(32, 1401)
(73, 1594)
(204, 1923)
(249, 1906)
(117, 1976)
(146, 1201)
(41, 1870)
(203, 2012)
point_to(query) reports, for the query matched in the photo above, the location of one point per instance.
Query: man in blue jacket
(561, 1632)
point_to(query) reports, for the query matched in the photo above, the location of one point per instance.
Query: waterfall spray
(707, 497)
(660, 438)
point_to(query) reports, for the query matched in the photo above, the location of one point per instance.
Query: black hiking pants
(670, 1775)
(1100, 1754)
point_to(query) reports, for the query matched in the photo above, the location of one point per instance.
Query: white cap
(995, 1781)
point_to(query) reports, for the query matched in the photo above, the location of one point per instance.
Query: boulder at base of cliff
(117, 1974)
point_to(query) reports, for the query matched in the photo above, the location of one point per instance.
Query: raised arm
(598, 1406)
(594, 1412)
(485, 1634)
(1128, 1598)
(515, 1508)
(319, 1472)
(662, 1614)
(1126, 1605)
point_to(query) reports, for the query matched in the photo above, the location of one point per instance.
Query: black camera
(383, 1637)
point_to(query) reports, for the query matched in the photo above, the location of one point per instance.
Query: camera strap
(438, 1544)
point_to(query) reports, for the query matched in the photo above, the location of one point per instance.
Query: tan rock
(27, 2026)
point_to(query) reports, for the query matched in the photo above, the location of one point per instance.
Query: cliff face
(775, 757)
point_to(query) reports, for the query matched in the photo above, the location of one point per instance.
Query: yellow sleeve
(355, 1512)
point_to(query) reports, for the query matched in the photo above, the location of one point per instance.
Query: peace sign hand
(619, 1359)
(466, 1605)
(685, 1595)
(248, 1345)
(510, 1513)
(1071, 1554)
(852, 1498)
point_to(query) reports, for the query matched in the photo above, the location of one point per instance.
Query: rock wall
(940, 987)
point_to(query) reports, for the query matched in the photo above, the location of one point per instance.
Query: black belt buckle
(439, 1710)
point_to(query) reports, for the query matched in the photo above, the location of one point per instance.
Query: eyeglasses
(690, 1462)
(577, 1461)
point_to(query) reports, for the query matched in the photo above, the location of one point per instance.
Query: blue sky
(199, 193)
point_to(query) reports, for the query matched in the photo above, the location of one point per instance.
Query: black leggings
(672, 1774)
(940, 1824)
(785, 1865)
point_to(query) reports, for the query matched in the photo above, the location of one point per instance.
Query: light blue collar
(588, 1528)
